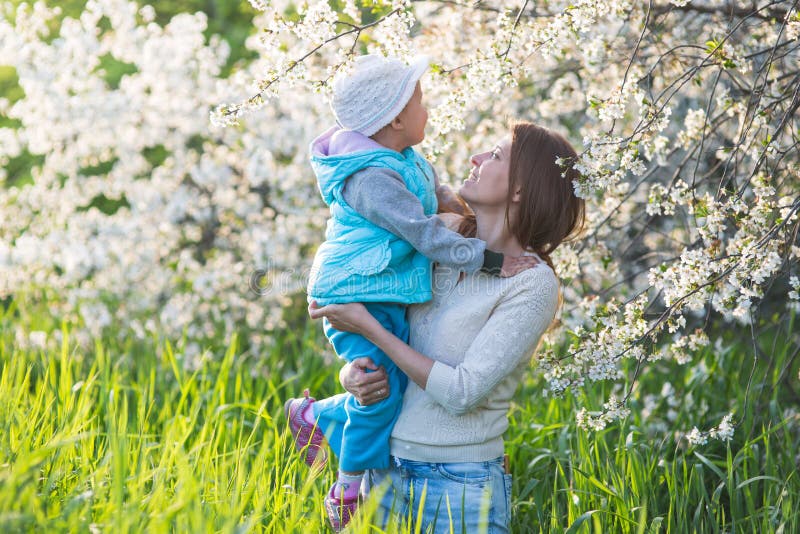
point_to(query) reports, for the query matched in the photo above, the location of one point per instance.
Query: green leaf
(573, 528)
(710, 465)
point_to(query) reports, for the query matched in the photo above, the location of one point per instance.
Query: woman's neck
(491, 227)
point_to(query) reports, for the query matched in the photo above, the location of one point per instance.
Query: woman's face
(487, 184)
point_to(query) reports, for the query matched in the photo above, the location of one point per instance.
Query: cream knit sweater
(482, 332)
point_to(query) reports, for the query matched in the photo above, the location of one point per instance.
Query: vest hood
(336, 154)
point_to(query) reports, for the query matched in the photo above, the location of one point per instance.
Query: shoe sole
(320, 458)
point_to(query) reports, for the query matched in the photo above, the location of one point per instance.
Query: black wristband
(492, 262)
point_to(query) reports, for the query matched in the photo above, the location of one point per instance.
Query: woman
(470, 344)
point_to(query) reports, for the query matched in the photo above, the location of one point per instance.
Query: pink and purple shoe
(308, 439)
(340, 511)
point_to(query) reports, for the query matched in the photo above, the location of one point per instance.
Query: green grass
(121, 437)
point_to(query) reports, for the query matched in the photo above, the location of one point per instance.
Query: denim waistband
(403, 462)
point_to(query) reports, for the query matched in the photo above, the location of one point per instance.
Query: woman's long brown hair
(549, 211)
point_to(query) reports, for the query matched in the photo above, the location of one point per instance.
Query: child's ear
(397, 123)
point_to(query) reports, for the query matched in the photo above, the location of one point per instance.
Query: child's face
(414, 117)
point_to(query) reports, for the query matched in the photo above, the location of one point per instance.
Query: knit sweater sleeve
(380, 196)
(506, 340)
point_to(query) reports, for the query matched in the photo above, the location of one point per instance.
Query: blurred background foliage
(233, 20)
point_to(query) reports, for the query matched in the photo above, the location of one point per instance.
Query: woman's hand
(367, 388)
(352, 317)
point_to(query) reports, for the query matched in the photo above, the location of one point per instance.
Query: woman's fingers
(376, 377)
(379, 390)
(315, 311)
(365, 363)
(374, 385)
(369, 387)
(372, 394)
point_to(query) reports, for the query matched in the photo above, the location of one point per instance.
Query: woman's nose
(475, 159)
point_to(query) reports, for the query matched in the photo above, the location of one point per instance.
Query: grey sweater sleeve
(380, 196)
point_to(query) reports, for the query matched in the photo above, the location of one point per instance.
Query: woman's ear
(517, 196)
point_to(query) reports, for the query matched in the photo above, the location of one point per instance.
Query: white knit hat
(375, 92)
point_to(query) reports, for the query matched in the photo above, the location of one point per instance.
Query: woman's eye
(494, 155)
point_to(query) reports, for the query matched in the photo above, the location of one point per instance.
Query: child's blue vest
(360, 261)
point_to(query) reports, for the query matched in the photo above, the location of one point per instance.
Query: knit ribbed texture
(374, 92)
(482, 332)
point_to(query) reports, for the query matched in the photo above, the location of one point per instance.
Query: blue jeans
(358, 434)
(470, 497)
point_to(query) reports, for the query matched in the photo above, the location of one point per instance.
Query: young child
(380, 242)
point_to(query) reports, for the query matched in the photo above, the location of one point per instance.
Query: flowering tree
(138, 213)
(684, 114)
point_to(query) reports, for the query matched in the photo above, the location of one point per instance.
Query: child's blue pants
(359, 435)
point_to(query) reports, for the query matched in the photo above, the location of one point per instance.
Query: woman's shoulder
(538, 283)
(540, 273)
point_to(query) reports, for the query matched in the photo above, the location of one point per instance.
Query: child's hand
(451, 220)
(448, 201)
(352, 317)
(512, 266)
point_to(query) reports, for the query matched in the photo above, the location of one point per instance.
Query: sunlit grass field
(121, 437)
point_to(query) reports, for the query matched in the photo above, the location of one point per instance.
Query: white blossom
(794, 283)
(694, 125)
(695, 437)
(793, 25)
(723, 431)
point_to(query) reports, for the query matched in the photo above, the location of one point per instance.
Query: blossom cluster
(723, 432)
